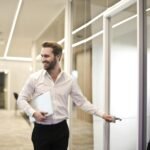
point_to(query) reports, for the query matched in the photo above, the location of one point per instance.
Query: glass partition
(124, 80)
(91, 29)
(82, 122)
(87, 131)
(88, 9)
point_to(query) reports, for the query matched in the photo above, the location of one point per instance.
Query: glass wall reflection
(87, 66)
(124, 80)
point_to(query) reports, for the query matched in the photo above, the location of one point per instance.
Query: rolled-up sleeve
(25, 96)
(81, 101)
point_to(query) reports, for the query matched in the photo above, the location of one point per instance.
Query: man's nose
(43, 59)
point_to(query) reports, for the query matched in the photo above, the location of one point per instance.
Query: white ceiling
(34, 16)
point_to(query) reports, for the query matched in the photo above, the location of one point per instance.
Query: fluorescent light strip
(114, 26)
(124, 21)
(91, 21)
(61, 41)
(123, 4)
(87, 24)
(100, 32)
(13, 28)
(88, 39)
(148, 9)
(16, 58)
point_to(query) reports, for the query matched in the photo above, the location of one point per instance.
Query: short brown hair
(57, 48)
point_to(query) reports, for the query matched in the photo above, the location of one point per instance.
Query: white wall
(18, 72)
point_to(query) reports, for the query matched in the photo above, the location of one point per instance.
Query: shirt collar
(59, 75)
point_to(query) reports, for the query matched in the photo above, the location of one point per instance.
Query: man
(51, 132)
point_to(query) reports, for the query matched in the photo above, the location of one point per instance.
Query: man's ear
(58, 57)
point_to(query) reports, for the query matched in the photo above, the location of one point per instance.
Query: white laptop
(43, 103)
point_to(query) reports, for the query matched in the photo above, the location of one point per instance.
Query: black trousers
(148, 146)
(50, 137)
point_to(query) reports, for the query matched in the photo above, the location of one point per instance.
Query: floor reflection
(82, 138)
(15, 133)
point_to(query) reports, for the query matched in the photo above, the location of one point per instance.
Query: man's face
(48, 59)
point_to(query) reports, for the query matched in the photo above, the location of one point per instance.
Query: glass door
(87, 68)
(121, 76)
(124, 79)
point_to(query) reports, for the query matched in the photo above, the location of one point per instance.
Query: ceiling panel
(7, 11)
(34, 16)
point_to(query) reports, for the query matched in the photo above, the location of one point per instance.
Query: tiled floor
(82, 138)
(15, 133)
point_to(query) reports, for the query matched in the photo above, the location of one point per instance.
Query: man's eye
(45, 56)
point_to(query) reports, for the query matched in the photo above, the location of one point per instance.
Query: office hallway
(15, 133)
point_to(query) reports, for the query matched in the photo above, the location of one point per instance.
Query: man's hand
(110, 118)
(39, 116)
(107, 118)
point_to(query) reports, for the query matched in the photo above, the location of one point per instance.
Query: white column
(68, 38)
(106, 76)
(68, 57)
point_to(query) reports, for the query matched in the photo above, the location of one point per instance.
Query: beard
(49, 65)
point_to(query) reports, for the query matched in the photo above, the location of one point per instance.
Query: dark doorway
(2, 93)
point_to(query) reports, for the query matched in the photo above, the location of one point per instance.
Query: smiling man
(51, 131)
